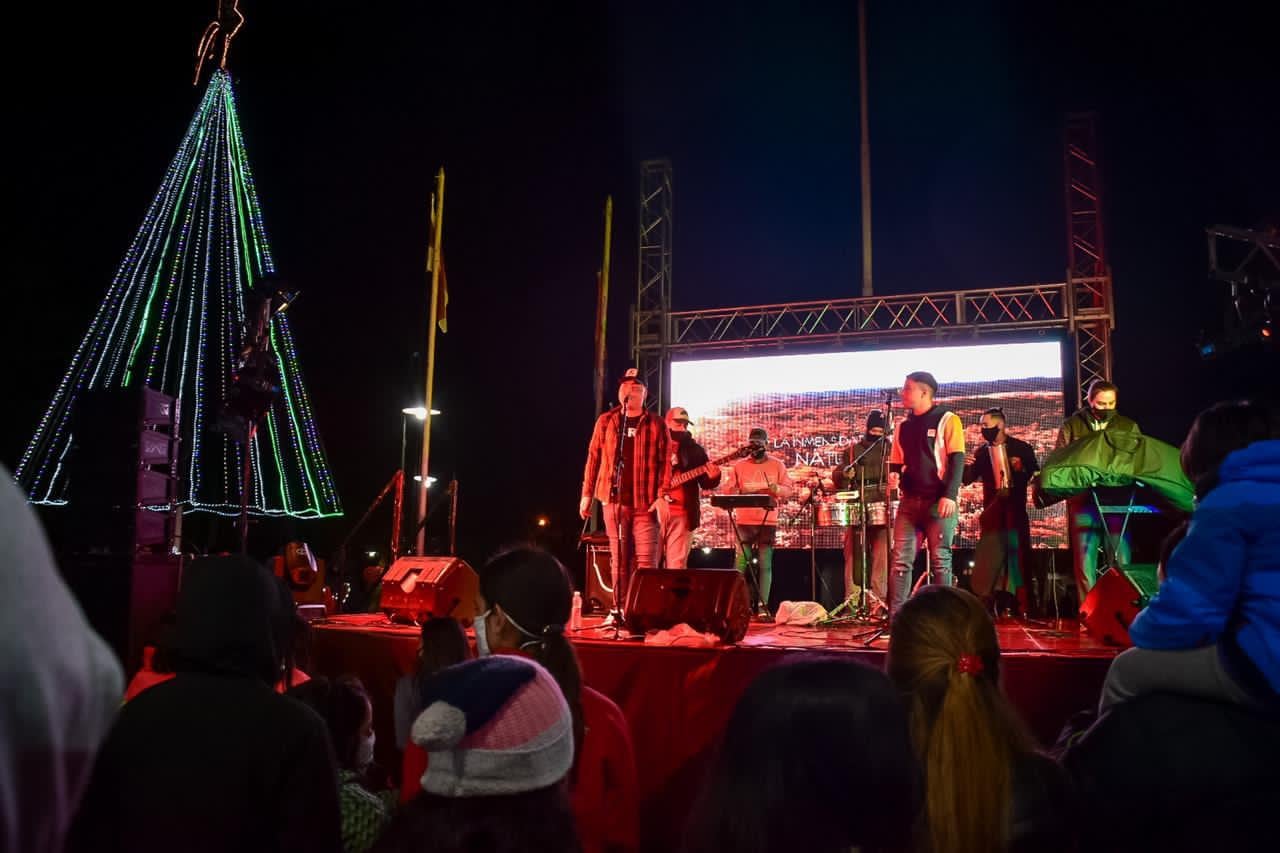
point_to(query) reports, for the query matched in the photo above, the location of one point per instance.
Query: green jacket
(1082, 424)
(1110, 458)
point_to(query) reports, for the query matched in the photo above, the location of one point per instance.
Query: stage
(678, 699)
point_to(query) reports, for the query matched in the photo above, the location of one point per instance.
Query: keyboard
(744, 501)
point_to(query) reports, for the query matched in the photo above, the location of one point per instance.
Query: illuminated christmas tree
(175, 319)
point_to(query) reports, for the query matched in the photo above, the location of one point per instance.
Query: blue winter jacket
(1223, 581)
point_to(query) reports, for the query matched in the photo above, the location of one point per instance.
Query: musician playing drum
(678, 510)
(760, 473)
(866, 475)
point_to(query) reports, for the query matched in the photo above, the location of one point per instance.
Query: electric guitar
(694, 473)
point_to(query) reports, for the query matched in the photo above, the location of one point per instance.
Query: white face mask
(482, 639)
(364, 752)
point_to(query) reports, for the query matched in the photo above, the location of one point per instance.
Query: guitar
(694, 473)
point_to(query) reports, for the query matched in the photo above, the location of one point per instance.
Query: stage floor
(678, 699)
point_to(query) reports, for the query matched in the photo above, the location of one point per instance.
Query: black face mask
(679, 434)
(757, 451)
(1102, 415)
(991, 433)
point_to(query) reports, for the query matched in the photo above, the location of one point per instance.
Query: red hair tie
(969, 665)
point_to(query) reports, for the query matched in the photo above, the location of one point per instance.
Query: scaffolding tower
(650, 329)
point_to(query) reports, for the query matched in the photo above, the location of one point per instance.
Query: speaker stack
(120, 555)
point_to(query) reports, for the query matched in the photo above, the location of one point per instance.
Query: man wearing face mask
(866, 475)
(1085, 527)
(625, 471)
(763, 474)
(679, 513)
(1005, 466)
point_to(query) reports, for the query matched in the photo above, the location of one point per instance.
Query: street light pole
(421, 413)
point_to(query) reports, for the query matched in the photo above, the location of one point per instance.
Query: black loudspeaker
(123, 472)
(120, 552)
(425, 587)
(714, 601)
(599, 575)
(123, 596)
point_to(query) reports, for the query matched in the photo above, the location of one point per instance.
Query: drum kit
(845, 510)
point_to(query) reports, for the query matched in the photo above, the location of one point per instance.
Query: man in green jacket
(1086, 527)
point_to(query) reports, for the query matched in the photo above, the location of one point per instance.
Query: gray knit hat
(495, 725)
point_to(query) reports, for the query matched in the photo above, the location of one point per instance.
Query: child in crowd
(499, 739)
(344, 706)
(1213, 629)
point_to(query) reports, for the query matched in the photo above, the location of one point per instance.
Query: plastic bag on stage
(681, 635)
(800, 613)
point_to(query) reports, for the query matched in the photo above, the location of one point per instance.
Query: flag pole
(433, 264)
(602, 304)
(602, 324)
(864, 149)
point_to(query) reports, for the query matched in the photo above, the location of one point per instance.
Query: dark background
(538, 111)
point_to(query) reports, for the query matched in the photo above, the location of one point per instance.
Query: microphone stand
(615, 490)
(861, 611)
(889, 514)
(812, 504)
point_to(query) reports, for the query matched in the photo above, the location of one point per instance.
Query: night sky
(538, 111)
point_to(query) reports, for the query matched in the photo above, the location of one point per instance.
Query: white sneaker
(614, 618)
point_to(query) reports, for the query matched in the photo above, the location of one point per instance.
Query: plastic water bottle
(575, 612)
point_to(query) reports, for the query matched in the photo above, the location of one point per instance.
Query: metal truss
(1088, 274)
(650, 336)
(933, 315)
(1081, 306)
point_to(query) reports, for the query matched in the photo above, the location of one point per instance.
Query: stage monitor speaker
(426, 587)
(714, 601)
(1111, 606)
(598, 597)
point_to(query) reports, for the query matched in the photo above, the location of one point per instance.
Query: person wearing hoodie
(215, 758)
(1213, 629)
(61, 686)
(1085, 526)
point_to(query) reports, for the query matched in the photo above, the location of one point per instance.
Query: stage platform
(678, 699)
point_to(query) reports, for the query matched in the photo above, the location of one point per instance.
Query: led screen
(814, 405)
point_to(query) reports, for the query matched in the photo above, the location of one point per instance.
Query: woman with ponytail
(986, 787)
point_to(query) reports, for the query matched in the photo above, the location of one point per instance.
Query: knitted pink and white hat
(495, 725)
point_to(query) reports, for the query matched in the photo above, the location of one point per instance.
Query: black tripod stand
(751, 556)
(862, 610)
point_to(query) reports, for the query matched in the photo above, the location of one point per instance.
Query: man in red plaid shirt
(629, 491)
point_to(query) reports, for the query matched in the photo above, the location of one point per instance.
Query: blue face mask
(482, 639)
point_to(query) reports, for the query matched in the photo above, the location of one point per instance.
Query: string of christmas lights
(174, 319)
